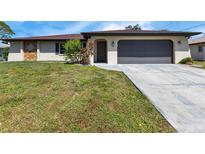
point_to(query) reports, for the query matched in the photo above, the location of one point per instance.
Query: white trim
(22, 49)
(38, 50)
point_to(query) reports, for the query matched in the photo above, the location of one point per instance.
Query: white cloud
(122, 25)
(51, 28)
(78, 27)
(70, 29)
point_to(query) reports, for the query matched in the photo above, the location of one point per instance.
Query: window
(200, 48)
(60, 48)
(84, 44)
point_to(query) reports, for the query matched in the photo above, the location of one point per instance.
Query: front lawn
(57, 97)
(202, 63)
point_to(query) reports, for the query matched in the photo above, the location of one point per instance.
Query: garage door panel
(145, 60)
(144, 51)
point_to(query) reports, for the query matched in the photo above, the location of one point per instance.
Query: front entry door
(30, 50)
(102, 52)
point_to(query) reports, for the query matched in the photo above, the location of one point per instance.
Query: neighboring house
(111, 47)
(197, 48)
(2, 46)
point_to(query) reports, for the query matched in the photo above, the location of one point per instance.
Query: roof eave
(197, 43)
(10, 40)
(87, 35)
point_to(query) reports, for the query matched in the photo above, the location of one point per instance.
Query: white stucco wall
(15, 51)
(46, 49)
(47, 52)
(195, 54)
(180, 50)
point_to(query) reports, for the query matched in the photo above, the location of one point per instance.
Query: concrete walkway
(177, 91)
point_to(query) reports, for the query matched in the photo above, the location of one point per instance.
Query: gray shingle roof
(197, 40)
(140, 32)
(51, 37)
(84, 35)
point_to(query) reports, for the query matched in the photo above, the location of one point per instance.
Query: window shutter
(57, 48)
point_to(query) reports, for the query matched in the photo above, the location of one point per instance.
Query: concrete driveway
(177, 91)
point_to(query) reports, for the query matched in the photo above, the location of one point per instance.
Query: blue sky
(40, 28)
(34, 28)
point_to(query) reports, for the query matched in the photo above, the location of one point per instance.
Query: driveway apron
(177, 91)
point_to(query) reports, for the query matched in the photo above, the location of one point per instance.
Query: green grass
(202, 63)
(58, 97)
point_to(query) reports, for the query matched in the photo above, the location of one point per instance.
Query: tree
(73, 51)
(5, 30)
(128, 27)
(135, 27)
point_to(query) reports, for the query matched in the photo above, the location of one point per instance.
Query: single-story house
(197, 48)
(111, 47)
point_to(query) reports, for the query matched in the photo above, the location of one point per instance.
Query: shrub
(73, 51)
(5, 53)
(187, 60)
(86, 53)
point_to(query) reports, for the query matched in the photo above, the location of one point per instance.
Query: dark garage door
(145, 51)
